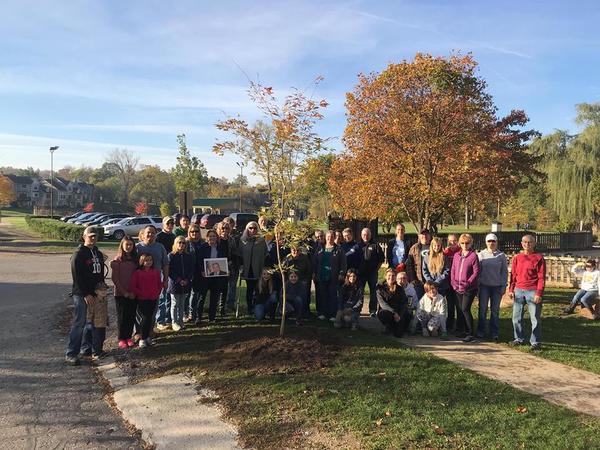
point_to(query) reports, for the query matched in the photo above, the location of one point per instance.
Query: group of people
(429, 288)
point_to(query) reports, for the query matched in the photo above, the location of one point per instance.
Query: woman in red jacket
(146, 285)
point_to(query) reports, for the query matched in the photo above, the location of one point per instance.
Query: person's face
(293, 277)
(365, 235)
(347, 236)
(184, 222)
(338, 237)
(90, 239)
(352, 278)
(431, 293)
(148, 235)
(101, 292)
(465, 244)
(215, 268)
(169, 225)
(452, 241)
(224, 231)
(127, 246)
(180, 246)
(265, 275)
(400, 232)
(294, 252)
(194, 233)
(436, 246)
(389, 278)
(319, 236)
(402, 279)
(148, 262)
(211, 238)
(424, 238)
(527, 244)
(330, 239)
(491, 244)
(589, 267)
(252, 230)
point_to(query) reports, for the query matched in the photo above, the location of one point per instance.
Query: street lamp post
(241, 166)
(52, 150)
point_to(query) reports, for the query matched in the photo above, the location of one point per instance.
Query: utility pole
(241, 166)
(52, 150)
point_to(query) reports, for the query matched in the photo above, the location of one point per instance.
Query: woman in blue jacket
(181, 272)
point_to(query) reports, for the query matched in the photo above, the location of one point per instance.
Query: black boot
(569, 309)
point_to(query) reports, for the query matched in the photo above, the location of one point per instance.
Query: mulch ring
(266, 355)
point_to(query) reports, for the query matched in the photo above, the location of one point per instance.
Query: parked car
(81, 217)
(72, 216)
(81, 221)
(242, 219)
(105, 217)
(110, 221)
(130, 226)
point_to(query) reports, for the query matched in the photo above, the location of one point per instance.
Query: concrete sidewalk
(563, 385)
(169, 411)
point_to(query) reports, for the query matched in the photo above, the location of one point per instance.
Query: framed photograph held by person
(216, 267)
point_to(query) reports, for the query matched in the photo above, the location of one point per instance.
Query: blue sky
(92, 76)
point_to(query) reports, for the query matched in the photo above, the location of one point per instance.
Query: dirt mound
(275, 355)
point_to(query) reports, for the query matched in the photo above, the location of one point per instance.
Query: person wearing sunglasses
(590, 284)
(527, 282)
(194, 246)
(253, 251)
(493, 279)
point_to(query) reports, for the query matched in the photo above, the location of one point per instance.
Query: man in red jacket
(527, 280)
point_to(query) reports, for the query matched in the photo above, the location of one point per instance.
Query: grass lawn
(324, 388)
(571, 340)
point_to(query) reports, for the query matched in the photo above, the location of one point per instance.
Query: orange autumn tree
(422, 137)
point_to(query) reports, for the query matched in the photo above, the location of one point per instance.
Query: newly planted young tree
(189, 174)
(424, 136)
(276, 147)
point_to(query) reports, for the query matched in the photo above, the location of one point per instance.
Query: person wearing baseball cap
(414, 262)
(87, 271)
(493, 280)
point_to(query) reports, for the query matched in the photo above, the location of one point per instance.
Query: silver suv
(131, 226)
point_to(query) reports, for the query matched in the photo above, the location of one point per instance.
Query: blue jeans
(191, 303)
(522, 298)
(98, 337)
(262, 309)
(491, 295)
(80, 337)
(585, 297)
(164, 306)
(177, 308)
(299, 303)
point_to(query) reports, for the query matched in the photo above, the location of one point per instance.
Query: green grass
(372, 394)
(572, 340)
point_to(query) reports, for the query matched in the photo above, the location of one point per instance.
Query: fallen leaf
(388, 414)
(381, 374)
(379, 422)
(521, 409)
(204, 373)
(438, 430)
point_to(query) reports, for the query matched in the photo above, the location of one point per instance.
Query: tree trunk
(467, 214)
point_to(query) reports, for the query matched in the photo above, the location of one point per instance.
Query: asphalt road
(45, 404)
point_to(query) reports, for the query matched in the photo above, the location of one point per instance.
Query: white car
(131, 226)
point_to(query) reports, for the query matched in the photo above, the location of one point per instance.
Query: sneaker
(321, 317)
(373, 314)
(85, 355)
(123, 344)
(97, 356)
(162, 327)
(142, 343)
(469, 338)
(187, 319)
(461, 335)
(516, 343)
(137, 337)
(176, 327)
(130, 343)
(149, 341)
(536, 347)
(425, 332)
(72, 360)
(444, 336)
(569, 310)
(332, 319)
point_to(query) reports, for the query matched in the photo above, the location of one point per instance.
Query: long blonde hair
(435, 260)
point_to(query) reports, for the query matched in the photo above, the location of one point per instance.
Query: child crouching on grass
(146, 285)
(97, 320)
(432, 312)
(590, 283)
(351, 302)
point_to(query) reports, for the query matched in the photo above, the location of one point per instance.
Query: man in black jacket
(371, 258)
(87, 270)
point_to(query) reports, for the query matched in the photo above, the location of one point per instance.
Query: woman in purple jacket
(464, 277)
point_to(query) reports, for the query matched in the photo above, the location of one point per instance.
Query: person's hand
(89, 300)
(537, 299)
(183, 282)
(511, 295)
(396, 317)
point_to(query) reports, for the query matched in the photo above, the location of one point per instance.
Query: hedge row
(55, 229)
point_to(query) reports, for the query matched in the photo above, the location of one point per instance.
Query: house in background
(35, 192)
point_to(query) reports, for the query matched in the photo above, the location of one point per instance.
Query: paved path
(44, 403)
(560, 384)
